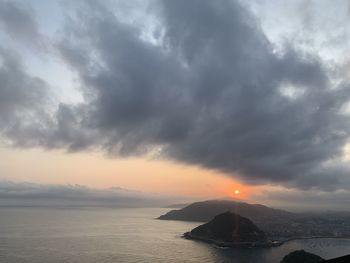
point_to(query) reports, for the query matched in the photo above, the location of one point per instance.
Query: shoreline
(314, 237)
(248, 244)
(257, 244)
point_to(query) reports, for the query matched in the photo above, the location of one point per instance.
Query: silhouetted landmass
(177, 205)
(277, 224)
(206, 210)
(301, 256)
(229, 229)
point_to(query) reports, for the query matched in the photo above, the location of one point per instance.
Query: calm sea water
(85, 235)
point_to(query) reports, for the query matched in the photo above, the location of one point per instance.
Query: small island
(230, 230)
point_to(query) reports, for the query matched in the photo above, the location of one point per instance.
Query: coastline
(258, 244)
(248, 244)
(314, 237)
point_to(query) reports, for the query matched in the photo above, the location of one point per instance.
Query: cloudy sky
(194, 98)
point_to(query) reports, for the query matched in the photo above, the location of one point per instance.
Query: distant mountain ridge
(177, 205)
(206, 210)
(24, 194)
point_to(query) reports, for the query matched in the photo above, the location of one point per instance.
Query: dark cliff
(228, 228)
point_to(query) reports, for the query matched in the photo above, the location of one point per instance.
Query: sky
(179, 98)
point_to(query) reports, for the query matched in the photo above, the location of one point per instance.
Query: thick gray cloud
(212, 92)
(22, 96)
(12, 193)
(18, 20)
(208, 90)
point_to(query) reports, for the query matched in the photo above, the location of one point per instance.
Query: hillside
(206, 210)
(228, 229)
(301, 256)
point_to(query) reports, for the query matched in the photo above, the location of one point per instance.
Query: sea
(106, 235)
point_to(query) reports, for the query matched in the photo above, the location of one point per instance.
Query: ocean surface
(107, 235)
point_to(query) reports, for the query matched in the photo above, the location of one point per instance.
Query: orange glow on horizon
(97, 171)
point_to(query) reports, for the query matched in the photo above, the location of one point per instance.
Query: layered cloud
(305, 200)
(23, 194)
(22, 97)
(18, 21)
(199, 83)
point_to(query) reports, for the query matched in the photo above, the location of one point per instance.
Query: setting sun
(237, 192)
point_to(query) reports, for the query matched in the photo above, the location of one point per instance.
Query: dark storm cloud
(209, 90)
(211, 93)
(18, 20)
